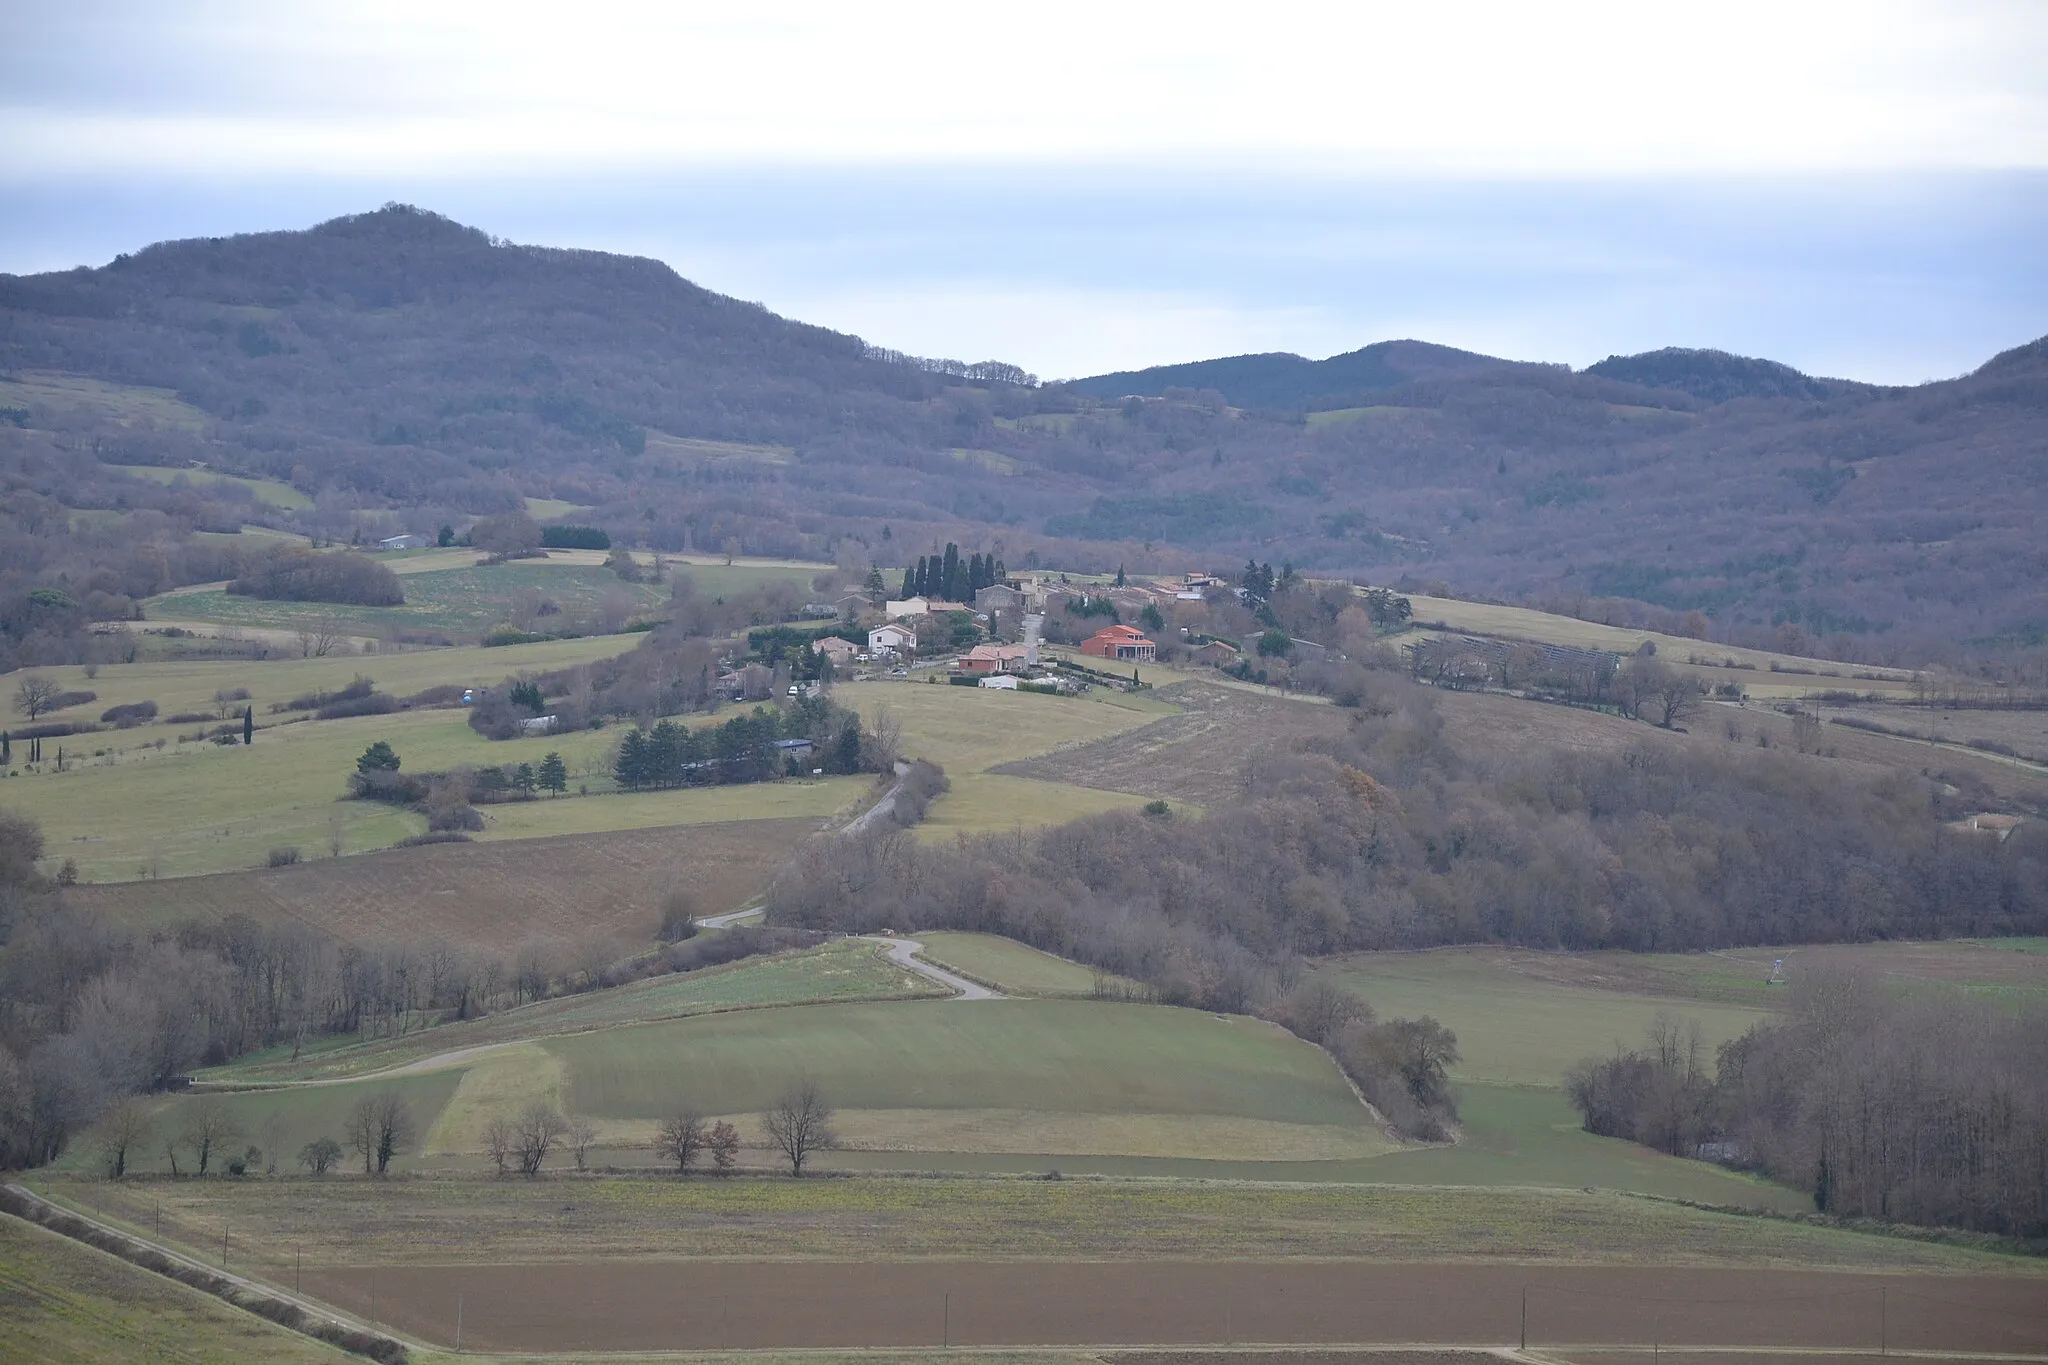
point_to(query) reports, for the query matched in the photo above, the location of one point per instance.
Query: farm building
(1120, 642)
(998, 597)
(1216, 653)
(891, 639)
(404, 542)
(1005, 682)
(837, 650)
(995, 659)
(537, 725)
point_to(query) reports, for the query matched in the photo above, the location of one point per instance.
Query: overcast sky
(1856, 188)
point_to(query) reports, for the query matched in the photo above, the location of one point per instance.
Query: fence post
(458, 1323)
(1883, 1297)
(946, 1310)
(1525, 1317)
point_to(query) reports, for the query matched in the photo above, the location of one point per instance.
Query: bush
(678, 918)
(65, 700)
(130, 715)
(436, 836)
(376, 704)
(287, 856)
(189, 718)
(291, 574)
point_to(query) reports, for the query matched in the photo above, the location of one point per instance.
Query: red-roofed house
(1120, 642)
(994, 659)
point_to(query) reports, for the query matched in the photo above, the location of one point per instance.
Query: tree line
(949, 578)
(1922, 1106)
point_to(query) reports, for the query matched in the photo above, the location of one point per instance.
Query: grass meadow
(63, 1303)
(276, 492)
(1007, 965)
(443, 1221)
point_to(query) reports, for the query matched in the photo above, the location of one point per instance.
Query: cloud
(1482, 87)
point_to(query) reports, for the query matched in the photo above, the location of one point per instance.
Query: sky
(1859, 189)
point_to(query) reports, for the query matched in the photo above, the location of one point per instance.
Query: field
(564, 892)
(969, 731)
(1007, 965)
(1194, 757)
(49, 395)
(839, 971)
(458, 603)
(63, 1303)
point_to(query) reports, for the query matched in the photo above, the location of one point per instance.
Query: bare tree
(209, 1128)
(123, 1128)
(537, 1130)
(34, 693)
(501, 1140)
(378, 1128)
(582, 1136)
(885, 741)
(1320, 1009)
(800, 1123)
(320, 1155)
(724, 1143)
(680, 1137)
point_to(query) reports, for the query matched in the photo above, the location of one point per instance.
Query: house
(1120, 642)
(1200, 582)
(896, 609)
(998, 597)
(892, 639)
(404, 542)
(1006, 682)
(837, 650)
(994, 659)
(794, 748)
(1216, 653)
(851, 605)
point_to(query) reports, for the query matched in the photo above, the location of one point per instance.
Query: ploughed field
(649, 1306)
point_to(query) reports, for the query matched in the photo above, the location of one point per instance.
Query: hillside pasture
(569, 894)
(461, 603)
(51, 397)
(839, 971)
(1007, 965)
(1517, 1022)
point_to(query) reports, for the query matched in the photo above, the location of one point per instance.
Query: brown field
(571, 888)
(648, 1306)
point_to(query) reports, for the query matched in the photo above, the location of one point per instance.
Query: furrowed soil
(657, 1306)
(570, 889)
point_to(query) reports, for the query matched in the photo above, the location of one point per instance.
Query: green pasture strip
(64, 1303)
(480, 1221)
(834, 972)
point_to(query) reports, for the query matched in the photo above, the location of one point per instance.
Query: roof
(997, 652)
(1120, 632)
(831, 642)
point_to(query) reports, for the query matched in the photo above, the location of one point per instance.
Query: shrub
(574, 538)
(678, 917)
(189, 718)
(376, 704)
(65, 700)
(129, 715)
(286, 856)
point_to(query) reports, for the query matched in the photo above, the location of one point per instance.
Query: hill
(392, 370)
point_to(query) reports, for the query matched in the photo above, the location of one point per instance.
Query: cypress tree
(6, 748)
(909, 584)
(248, 725)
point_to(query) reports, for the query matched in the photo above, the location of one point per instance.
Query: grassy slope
(62, 1303)
(837, 971)
(436, 1221)
(273, 491)
(1008, 965)
(969, 730)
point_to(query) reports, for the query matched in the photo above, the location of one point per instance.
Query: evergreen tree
(875, 589)
(909, 583)
(848, 756)
(631, 767)
(949, 573)
(524, 779)
(6, 748)
(248, 725)
(378, 758)
(1120, 581)
(554, 774)
(1150, 618)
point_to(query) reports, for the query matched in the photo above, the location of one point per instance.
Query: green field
(48, 394)
(436, 1221)
(63, 1303)
(836, 972)
(460, 603)
(1514, 1026)
(1009, 966)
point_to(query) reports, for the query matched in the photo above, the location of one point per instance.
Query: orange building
(1121, 642)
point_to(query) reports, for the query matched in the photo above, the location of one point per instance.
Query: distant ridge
(1719, 377)
(1278, 380)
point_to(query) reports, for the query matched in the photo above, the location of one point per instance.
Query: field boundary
(308, 1317)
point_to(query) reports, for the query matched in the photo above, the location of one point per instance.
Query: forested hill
(400, 369)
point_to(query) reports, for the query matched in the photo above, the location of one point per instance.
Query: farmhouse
(404, 542)
(891, 639)
(837, 650)
(1216, 653)
(995, 659)
(1120, 642)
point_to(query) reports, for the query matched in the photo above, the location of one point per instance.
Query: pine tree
(554, 774)
(1120, 581)
(524, 779)
(875, 589)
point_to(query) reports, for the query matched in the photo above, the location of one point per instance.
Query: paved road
(903, 952)
(729, 918)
